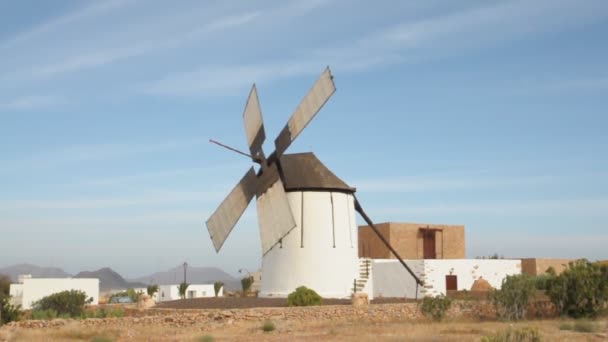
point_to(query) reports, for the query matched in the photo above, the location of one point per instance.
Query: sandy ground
(330, 330)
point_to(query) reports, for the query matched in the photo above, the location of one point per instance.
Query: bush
(246, 283)
(104, 312)
(541, 282)
(268, 326)
(131, 293)
(151, 290)
(581, 290)
(8, 312)
(511, 301)
(206, 338)
(304, 296)
(182, 288)
(70, 303)
(525, 334)
(217, 286)
(436, 307)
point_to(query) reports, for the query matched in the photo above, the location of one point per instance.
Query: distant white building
(171, 292)
(29, 290)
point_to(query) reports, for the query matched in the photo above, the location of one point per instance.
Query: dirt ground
(329, 330)
(254, 302)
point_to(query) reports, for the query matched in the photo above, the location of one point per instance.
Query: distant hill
(109, 279)
(194, 275)
(36, 271)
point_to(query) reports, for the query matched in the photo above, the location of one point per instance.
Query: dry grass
(330, 330)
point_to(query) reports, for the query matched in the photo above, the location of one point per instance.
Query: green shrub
(566, 326)
(70, 303)
(585, 326)
(246, 283)
(436, 307)
(48, 314)
(511, 301)
(104, 312)
(268, 326)
(151, 290)
(206, 338)
(525, 334)
(102, 339)
(581, 290)
(541, 282)
(304, 296)
(131, 293)
(217, 286)
(182, 288)
(8, 311)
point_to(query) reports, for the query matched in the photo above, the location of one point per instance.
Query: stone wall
(537, 266)
(376, 312)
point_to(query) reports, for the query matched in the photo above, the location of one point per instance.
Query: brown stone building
(413, 241)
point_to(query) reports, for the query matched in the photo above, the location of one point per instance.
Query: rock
(481, 285)
(360, 299)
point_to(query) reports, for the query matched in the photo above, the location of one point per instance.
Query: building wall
(370, 245)
(34, 289)
(390, 279)
(537, 266)
(407, 240)
(467, 271)
(171, 292)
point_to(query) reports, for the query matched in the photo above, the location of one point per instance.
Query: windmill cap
(304, 171)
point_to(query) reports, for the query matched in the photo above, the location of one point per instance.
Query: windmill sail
(321, 91)
(274, 216)
(254, 125)
(226, 216)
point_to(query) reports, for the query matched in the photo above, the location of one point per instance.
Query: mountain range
(111, 280)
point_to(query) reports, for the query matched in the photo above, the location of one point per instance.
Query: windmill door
(428, 246)
(451, 283)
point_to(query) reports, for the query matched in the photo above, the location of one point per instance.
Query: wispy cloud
(99, 152)
(94, 9)
(32, 102)
(147, 199)
(578, 206)
(443, 183)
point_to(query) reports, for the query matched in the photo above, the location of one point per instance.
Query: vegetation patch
(304, 296)
(205, 338)
(268, 326)
(65, 304)
(435, 307)
(525, 334)
(511, 301)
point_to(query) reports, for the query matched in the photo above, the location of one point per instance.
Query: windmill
(306, 214)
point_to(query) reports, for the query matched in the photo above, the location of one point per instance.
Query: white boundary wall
(390, 279)
(321, 252)
(34, 289)
(171, 292)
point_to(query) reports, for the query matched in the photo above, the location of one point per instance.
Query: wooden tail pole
(371, 224)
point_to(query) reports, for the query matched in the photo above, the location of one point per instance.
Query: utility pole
(185, 267)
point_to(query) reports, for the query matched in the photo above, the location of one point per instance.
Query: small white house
(388, 278)
(171, 292)
(30, 290)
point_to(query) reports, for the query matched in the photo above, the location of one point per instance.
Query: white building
(388, 278)
(171, 292)
(29, 290)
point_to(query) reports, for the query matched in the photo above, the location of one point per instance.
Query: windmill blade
(226, 216)
(254, 125)
(274, 215)
(323, 89)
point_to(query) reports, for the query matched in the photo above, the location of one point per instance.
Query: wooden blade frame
(254, 125)
(225, 217)
(274, 216)
(318, 95)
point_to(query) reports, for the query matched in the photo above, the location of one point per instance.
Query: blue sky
(491, 114)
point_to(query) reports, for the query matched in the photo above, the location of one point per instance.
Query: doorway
(428, 244)
(451, 283)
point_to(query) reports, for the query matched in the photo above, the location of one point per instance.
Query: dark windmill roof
(304, 171)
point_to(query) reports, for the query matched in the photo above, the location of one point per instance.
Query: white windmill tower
(306, 214)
